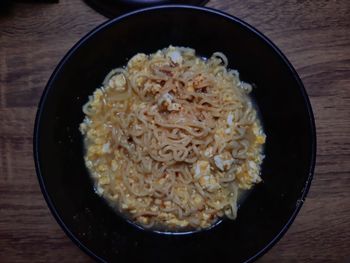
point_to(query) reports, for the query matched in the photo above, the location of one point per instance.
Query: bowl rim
(208, 10)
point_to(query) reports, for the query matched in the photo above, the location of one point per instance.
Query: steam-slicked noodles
(172, 139)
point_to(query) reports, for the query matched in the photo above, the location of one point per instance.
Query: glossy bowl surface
(285, 111)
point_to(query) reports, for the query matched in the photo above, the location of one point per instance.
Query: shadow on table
(6, 5)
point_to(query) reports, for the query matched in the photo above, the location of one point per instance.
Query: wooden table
(315, 36)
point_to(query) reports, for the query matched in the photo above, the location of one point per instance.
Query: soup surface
(172, 138)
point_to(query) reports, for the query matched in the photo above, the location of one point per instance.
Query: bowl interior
(286, 117)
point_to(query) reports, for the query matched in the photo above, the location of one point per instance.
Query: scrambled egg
(223, 161)
(204, 176)
(117, 82)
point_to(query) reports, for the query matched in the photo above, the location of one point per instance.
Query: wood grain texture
(315, 36)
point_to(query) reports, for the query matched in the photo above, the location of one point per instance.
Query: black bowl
(286, 115)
